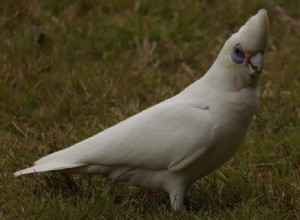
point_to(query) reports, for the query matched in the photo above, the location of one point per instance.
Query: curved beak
(255, 65)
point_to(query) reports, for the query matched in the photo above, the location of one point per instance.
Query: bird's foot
(191, 204)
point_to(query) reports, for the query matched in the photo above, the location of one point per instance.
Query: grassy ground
(69, 69)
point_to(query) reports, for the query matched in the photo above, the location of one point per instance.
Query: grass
(69, 69)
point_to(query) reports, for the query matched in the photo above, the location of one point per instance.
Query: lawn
(69, 69)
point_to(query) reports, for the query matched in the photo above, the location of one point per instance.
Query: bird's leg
(177, 198)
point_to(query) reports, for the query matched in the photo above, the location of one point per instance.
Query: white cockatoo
(172, 144)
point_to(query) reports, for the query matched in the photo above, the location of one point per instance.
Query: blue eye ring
(238, 54)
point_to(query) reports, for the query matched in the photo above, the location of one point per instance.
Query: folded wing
(170, 135)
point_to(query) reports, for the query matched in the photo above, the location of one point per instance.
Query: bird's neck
(225, 80)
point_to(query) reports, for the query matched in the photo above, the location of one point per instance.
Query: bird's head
(241, 58)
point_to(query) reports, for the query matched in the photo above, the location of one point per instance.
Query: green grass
(69, 69)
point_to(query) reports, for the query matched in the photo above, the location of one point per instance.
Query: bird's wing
(170, 135)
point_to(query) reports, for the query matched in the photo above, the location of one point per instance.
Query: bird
(174, 143)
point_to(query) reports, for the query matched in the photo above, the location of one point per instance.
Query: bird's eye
(238, 54)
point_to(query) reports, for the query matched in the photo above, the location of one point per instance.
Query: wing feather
(170, 135)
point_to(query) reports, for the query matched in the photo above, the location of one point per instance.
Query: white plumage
(176, 142)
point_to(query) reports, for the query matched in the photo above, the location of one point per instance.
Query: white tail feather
(50, 166)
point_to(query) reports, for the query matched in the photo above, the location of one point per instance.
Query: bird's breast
(232, 116)
(235, 112)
